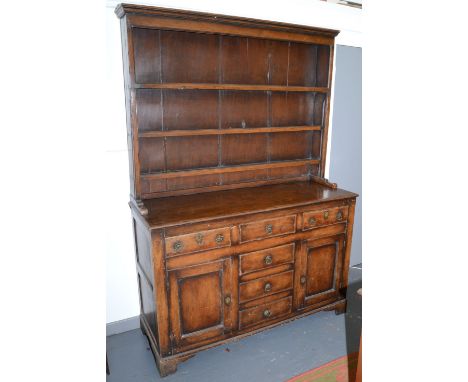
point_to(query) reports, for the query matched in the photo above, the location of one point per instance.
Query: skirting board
(122, 326)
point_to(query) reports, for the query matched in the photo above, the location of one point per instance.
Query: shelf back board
(218, 102)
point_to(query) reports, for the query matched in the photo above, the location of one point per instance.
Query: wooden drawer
(266, 258)
(198, 241)
(265, 312)
(267, 228)
(264, 286)
(327, 216)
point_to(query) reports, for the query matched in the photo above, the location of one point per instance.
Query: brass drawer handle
(266, 313)
(227, 300)
(177, 246)
(303, 280)
(268, 260)
(199, 238)
(267, 287)
(339, 215)
(325, 215)
(312, 221)
(219, 238)
(268, 228)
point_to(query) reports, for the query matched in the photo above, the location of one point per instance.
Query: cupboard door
(202, 306)
(319, 270)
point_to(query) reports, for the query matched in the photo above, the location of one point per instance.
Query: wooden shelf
(223, 170)
(184, 133)
(181, 86)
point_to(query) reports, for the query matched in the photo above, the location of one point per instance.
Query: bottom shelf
(219, 178)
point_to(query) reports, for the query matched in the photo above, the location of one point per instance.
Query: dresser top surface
(176, 210)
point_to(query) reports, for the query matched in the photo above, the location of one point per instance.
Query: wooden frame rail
(206, 86)
(184, 133)
(223, 170)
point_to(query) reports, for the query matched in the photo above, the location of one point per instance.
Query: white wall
(122, 292)
(346, 140)
(121, 284)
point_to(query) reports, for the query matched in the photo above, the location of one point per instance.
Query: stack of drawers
(266, 284)
(266, 276)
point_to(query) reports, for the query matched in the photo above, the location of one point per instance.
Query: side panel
(145, 277)
(130, 106)
(160, 292)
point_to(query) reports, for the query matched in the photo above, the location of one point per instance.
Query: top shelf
(204, 86)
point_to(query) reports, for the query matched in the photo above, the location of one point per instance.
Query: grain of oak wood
(235, 228)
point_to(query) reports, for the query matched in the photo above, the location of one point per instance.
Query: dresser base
(168, 365)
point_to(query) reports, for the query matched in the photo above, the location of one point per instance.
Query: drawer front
(198, 241)
(266, 312)
(265, 286)
(267, 258)
(267, 228)
(327, 216)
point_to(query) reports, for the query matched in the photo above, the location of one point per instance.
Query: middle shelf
(183, 133)
(215, 86)
(228, 169)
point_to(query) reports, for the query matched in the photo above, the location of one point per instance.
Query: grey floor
(274, 355)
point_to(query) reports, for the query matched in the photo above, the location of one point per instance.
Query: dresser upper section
(217, 102)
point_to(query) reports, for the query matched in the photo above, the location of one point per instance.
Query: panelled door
(319, 270)
(201, 303)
